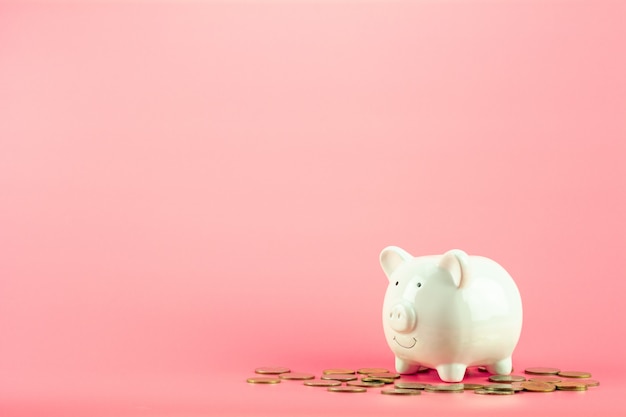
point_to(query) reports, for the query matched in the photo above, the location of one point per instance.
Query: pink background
(192, 190)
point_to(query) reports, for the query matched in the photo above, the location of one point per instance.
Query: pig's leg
(405, 367)
(503, 367)
(451, 372)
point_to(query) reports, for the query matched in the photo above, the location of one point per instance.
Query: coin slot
(397, 283)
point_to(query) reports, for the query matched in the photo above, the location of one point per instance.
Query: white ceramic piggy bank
(449, 312)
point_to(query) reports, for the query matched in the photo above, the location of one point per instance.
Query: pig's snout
(402, 318)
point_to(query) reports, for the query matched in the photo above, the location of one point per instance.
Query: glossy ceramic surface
(449, 312)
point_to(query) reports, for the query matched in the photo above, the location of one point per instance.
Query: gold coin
(372, 379)
(517, 386)
(263, 380)
(340, 377)
(322, 383)
(384, 375)
(499, 387)
(444, 388)
(538, 386)
(272, 370)
(571, 386)
(400, 391)
(338, 371)
(410, 385)
(506, 378)
(368, 371)
(550, 379)
(493, 392)
(296, 376)
(588, 382)
(473, 386)
(542, 371)
(347, 389)
(365, 384)
(574, 374)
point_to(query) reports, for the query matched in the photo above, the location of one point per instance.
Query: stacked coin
(365, 384)
(540, 379)
(263, 380)
(340, 377)
(552, 379)
(571, 386)
(272, 370)
(268, 370)
(322, 383)
(298, 376)
(506, 378)
(367, 371)
(347, 389)
(340, 371)
(445, 388)
(537, 386)
(542, 371)
(400, 391)
(410, 385)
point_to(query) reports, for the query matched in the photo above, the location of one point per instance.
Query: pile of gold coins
(359, 380)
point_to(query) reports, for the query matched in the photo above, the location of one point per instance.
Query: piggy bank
(449, 312)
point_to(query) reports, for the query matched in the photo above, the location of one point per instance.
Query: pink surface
(189, 191)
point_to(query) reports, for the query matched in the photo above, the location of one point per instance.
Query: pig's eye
(419, 284)
(397, 282)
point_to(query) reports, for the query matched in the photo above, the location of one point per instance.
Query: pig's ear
(392, 257)
(456, 262)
